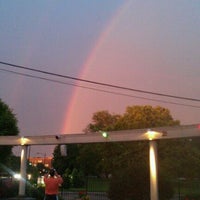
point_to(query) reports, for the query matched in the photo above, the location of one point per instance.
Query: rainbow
(73, 108)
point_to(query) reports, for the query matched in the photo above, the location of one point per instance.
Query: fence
(67, 195)
(187, 189)
(95, 188)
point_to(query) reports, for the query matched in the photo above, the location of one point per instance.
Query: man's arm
(59, 177)
(46, 176)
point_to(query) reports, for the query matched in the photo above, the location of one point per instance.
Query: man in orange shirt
(52, 182)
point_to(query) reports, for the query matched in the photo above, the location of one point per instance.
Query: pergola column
(153, 170)
(22, 183)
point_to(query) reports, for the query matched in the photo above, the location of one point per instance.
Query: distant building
(46, 161)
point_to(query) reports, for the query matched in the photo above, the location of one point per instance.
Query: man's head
(52, 172)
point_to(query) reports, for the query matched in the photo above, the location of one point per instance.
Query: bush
(165, 189)
(8, 188)
(129, 184)
(66, 179)
(134, 184)
(77, 178)
(35, 192)
(192, 196)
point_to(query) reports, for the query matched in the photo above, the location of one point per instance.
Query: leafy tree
(14, 163)
(66, 178)
(8, 126)
(102, 120)
(126, 183)
(34, 171)
(61, 163)
(137, 117)
(88, 158)
(178, 157)
(128, 161)
(77, 178)
(101, 153)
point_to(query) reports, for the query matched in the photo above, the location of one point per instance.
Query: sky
(143, 45)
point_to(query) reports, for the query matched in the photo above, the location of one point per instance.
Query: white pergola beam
(114, 136)
(96, 137)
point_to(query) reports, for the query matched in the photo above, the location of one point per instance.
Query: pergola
(151, 134)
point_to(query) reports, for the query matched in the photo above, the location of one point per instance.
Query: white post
(153, 170)
(22, 182)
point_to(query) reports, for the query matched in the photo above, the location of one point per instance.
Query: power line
(96, 89)
(99, 83)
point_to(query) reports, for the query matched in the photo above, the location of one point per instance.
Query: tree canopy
(128, 162)
(8, 126)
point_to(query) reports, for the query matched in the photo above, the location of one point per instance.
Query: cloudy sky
(143, 45)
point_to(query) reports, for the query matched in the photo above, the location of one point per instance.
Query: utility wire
(99, 83)
(100, 90)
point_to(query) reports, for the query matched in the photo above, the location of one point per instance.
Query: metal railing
(67, 195)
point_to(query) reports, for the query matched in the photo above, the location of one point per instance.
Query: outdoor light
(153, 134)
(104, 134)
(29, 176)
(23, 140)
(17, 176)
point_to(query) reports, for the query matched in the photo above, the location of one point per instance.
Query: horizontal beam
(96, 137)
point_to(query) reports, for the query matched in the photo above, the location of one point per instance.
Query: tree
(137, 117)
(178, 157)
(128, 161)
(102, 120)
(8, 126)
(61, 163)
(88, 158)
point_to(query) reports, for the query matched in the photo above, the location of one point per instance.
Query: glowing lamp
(104, 134)
(152, 135)
(23, 140)
(17, 176)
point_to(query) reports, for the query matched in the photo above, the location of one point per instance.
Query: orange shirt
(52, 184)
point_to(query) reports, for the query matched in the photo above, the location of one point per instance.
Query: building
(46, 161)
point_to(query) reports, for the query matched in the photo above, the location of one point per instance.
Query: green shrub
(192, 197)
(78, 180)
(35, 192)
(8, 188)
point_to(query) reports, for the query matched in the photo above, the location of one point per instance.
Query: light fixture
(104, 134)
(17, 176)
(23, 140)
(152, 135)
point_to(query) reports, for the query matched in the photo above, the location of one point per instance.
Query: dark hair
(52, 172)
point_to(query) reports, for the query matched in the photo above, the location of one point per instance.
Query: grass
(93, 184)
(188, 188)
(97, 185)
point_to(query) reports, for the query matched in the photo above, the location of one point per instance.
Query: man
(52, 182)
